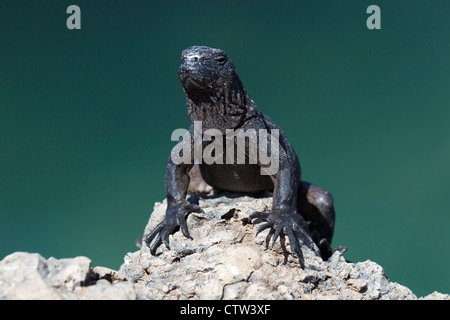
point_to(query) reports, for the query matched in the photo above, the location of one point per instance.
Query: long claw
(166, 243)
(269, 236)
(295, 245)
(184, 229)
(282, 225)
(155, 245)
(259, 215)
(301, 233)
(263, 227)
(154, 233)
(193, 208)
(292, 239)
(165, 239)
(276, 235)
(174, 217)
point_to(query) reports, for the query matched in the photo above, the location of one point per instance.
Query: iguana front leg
(284, 218)
(178, 208)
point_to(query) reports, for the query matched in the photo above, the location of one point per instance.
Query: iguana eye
(220, 59)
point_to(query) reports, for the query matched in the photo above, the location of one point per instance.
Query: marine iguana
(215, 96)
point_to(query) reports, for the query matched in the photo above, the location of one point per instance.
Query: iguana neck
(221, 108)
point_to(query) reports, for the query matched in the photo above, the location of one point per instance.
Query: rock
(223, 261)
(28, 276)
(436, 296)
(22, 276)
(68, 273)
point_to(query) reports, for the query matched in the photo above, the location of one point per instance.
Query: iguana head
(206, 72)
(214, 92)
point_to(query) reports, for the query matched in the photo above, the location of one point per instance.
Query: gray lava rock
(226, 261)
(28, 276)
(223, 261)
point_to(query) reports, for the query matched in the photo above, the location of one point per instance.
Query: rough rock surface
(30, 276)
(224, 261)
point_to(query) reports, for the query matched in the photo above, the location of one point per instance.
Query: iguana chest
(244, 178)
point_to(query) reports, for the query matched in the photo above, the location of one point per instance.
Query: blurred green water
(86, 117)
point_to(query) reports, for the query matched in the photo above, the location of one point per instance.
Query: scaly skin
(216, 97)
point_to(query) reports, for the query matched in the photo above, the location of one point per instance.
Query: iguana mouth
(190, 85)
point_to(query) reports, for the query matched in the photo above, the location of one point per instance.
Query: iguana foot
(282, 224)
(175, 217)
(325, 248)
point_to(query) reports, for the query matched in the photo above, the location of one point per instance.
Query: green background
(86, 117)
